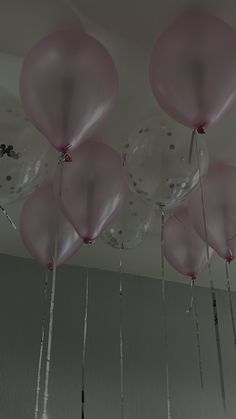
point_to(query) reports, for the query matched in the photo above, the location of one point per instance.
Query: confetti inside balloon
(25, 156)
(157, 160)
(129, 228)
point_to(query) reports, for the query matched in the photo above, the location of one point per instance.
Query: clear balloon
(68, 86)
(183, 248)
(37, 226)
(94, 188)
(219, 200)
(192, 69)
(129, 228)
(25, 156)
(156, 156)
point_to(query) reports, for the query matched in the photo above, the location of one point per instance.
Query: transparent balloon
(25, 156)
(128, 229)
(156, 156)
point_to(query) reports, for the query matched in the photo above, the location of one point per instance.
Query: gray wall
(21, 311)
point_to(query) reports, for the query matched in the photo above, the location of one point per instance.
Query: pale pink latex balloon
(183, 248)
(37, 226)
(192, 70)
(68, 86)
(94, 188)
(220, 209)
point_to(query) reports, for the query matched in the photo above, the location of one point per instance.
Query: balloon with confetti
(127, 231)
(25, 156)
(156, 156)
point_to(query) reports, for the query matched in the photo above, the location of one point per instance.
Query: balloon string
(199, 352)
(121, 339)
(213, 294)
(193, 309)
(53, 291)
(9, 219)
(42, 342)
(195, 312)
(230, 301)
(84, 345)
(190, 155)
(168, 402)
(192, 296)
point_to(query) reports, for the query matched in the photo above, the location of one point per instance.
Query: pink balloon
(68, 86)
(94, 188)
(192, 70)
(220, 209)
(183, 248)
(37, 226)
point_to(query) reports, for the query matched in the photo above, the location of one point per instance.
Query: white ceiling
(127, 29)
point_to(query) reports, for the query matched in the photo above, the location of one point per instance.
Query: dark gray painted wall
(21, 311)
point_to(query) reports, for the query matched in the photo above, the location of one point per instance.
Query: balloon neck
(229, 258)
(201, 129)
(64, 153)
(64, 148)
(50, 266)
(88, 240)
(192, 275)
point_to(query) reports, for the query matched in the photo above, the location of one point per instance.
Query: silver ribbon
(166, 346)
(121, 340)
(41, 351)
(230, 302)
(193, 309)
(213, 294)
(53, 291)
(9, 219)
(84, 346)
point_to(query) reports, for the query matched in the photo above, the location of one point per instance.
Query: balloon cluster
(192, 75)
(184, 231)
(68, 87)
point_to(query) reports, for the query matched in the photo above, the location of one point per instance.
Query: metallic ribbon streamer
(84, 346)
(53, 291)
(192, 296)
(121, 339)
(193, 309)
(195, 312)
(213, 294)
(42, 342)
(5, 213)
(168, 401)
(230, 301)
(193, 137)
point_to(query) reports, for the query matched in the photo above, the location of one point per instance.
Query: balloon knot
(229, 258)
(88, 240)
(50, 266)
(64, 153)
(192, 275)
(64, 148)
(67, 158)
(201, 129)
